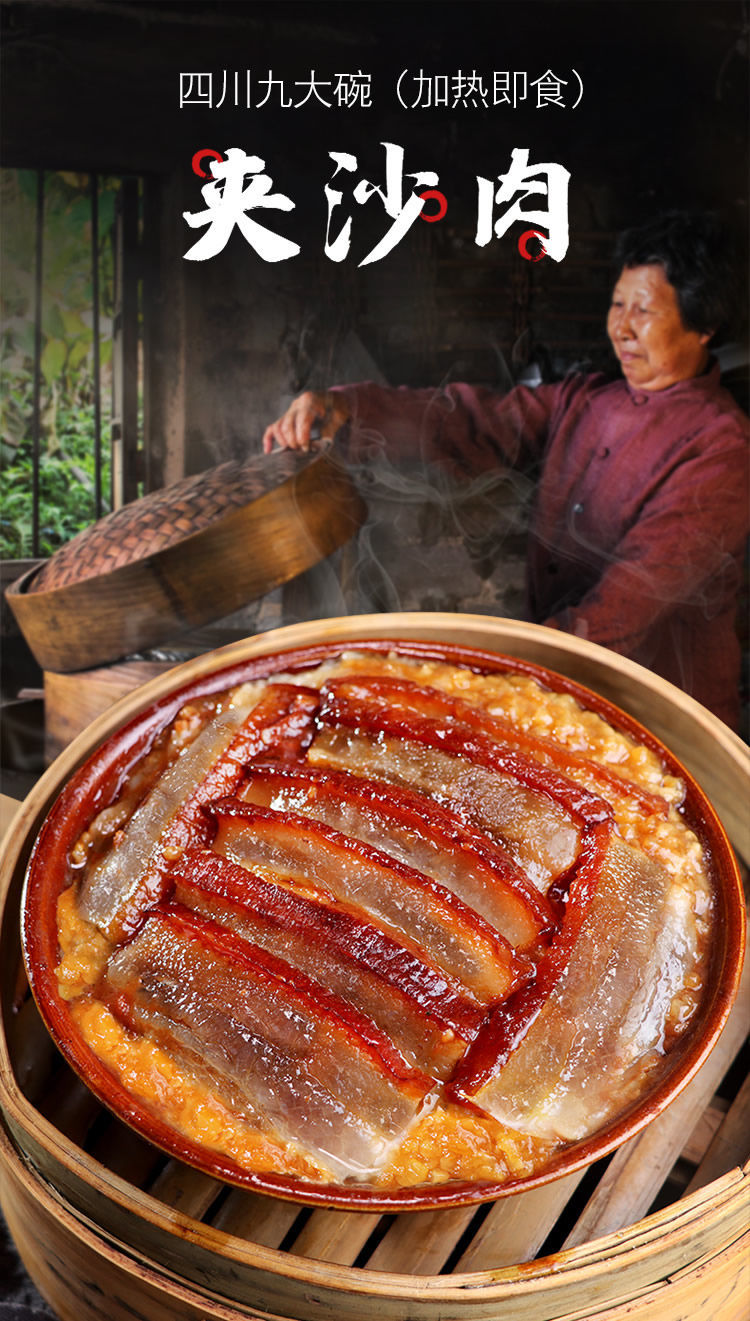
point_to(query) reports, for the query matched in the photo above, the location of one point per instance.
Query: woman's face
(647, 334)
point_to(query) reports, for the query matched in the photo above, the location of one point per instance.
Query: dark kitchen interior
(227, 342)
(93, 88)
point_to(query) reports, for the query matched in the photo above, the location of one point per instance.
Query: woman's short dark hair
(696, 252)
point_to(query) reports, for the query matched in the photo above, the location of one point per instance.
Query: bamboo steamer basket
(104, 1223)
(184, 556)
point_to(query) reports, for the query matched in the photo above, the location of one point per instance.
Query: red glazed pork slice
(303, 1062)
(402, 735)
(406, 696)
(607, 1020)
(132, 876)
(470, 953)
(419, 832)
(409, 999)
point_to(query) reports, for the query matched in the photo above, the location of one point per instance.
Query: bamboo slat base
(107, 1225)
(649, 1271)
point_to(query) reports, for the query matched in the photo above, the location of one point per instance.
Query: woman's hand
(293, 430)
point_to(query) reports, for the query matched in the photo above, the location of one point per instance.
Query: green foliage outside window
(67, 427)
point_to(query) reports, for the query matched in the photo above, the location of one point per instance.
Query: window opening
(70, 361)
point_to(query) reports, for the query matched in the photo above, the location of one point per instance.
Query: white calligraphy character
(549, 180)
(403, 213)
(227, 202)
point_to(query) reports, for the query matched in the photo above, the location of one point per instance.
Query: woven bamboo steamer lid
(689, 1259)
(184, 556)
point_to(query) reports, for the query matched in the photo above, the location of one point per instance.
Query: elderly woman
(641, 511)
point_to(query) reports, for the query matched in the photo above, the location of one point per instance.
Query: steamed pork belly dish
(380, 921)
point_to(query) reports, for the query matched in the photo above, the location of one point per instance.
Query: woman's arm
(467, 428)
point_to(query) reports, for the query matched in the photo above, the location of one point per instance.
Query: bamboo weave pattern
(163, 518)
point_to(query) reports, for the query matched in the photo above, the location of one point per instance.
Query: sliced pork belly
(132, 876)
(475, 958)
(538, 834)
(606, 1018)
(301, 1059)
(389, 982)
(535, 810)
(419, 832)
(405, 696)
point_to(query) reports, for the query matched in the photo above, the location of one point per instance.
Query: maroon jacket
(641, 513)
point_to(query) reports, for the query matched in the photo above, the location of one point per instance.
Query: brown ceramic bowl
(94, 783)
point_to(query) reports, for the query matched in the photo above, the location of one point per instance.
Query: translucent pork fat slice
(408, 733)
(435, 704)
(419, 832)
(297, 1059)
(589, 1047)
(132, 877)
(409, 999)
(471, 954)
